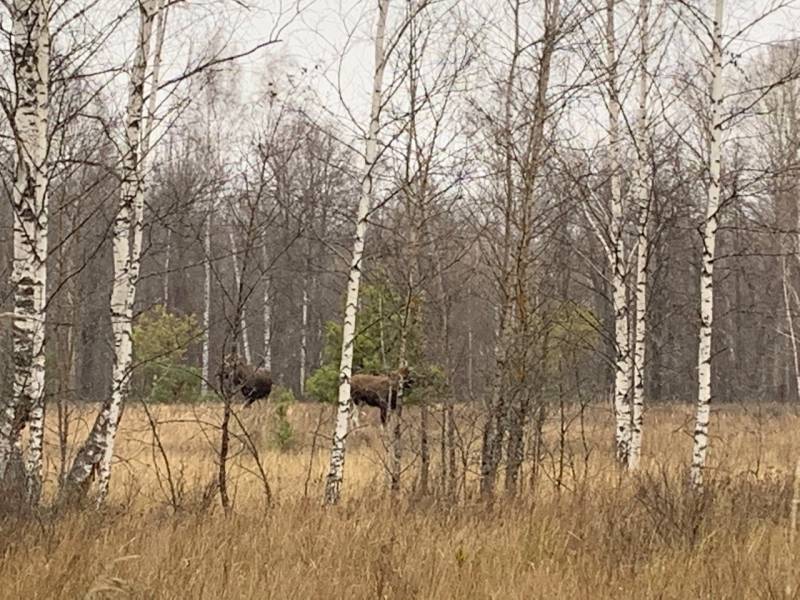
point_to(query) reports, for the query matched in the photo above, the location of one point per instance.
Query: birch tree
(780, 143)
(304, 306)
(641, 192)
(700, 441)
(622, 360)
(336, 470)
(266, 358)
(98, 450)
(31, 63)
(204, 370)
(238, 283)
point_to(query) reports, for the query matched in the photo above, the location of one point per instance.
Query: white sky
(331, 40)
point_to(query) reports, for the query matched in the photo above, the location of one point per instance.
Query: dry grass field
(578, 529)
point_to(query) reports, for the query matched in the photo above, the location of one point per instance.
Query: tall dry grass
(579, 530)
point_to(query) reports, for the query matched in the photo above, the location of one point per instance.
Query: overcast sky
(328, 42)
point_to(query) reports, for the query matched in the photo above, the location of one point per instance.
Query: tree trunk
(243, 319)
(204, 381)
(787, 302)
(304, 334)
(396, 415)
(336, 472)
(151, 118)
(448, 442)
(424, 450)
(98, 450)
(518, 407)
(127, 251)
(642, 192)
(470, 364)
(266, 358)
(493, 430)
(515, 447)
(65, 339)
(167, 252)
(700, 445)
(222, 471)
(622, 361)
(31, 64)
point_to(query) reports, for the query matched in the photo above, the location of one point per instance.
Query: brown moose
(254, 383)
(378, 391)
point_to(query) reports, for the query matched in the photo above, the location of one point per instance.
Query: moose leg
(354, 414)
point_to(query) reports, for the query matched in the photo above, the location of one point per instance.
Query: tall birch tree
(336, 470)
(31, 63)
(98, 450)
(622, 359)
(204, 368)
(128, 226)
(266, 358)
(704, 392)
(641, 191)
(237, 277)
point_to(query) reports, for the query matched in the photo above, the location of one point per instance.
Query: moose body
(378, 391)
(254, 383)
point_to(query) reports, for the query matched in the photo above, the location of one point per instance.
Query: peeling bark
(30, 50)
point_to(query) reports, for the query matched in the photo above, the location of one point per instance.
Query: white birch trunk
(165, 291)
(304, 337)
(622, 362)
(242, 317)
(127, 242)
(700, 445)
(470, 362)
(31, 58)
(336, 471)
(37, 365)
(266, 359)
(787, 302)
(206, 303)
(98, 450)
(642, 193)
(152, 104)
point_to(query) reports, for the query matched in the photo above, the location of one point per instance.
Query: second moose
(378, 391)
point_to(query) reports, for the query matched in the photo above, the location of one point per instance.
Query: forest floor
(577, 528)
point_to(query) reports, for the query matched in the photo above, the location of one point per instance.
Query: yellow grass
(583, 532)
